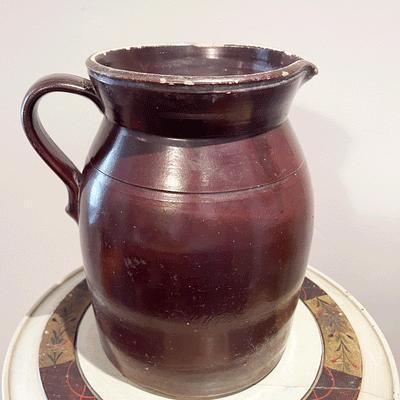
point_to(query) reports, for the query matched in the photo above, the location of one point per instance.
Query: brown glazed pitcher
(194, 208)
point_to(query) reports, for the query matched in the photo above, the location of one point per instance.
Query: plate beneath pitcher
(289, 380)
(56, 352)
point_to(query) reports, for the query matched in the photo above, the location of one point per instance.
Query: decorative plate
(324, 358)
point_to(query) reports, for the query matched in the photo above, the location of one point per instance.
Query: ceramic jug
(194, 208)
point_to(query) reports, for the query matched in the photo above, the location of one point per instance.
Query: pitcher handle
(41, 141)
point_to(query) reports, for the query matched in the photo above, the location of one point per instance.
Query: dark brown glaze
(167, 90)
(195, 214)
(198, 283)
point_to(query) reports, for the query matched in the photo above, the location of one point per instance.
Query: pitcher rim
(286, 72)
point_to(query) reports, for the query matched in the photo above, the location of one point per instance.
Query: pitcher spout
(310, 69)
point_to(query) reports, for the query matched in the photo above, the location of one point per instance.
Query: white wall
(347, 119)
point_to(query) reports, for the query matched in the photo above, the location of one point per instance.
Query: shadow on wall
(358, 248)
(326, 146)
(356, 225)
